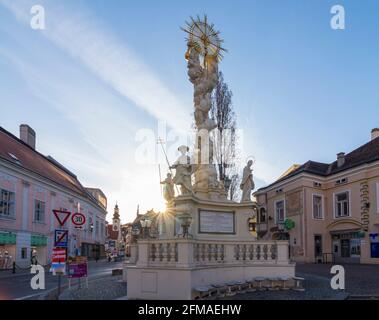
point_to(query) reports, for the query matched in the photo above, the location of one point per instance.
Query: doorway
(318, 248)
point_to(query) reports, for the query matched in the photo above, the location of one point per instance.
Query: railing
(163, 252)
(192, 253)
(205, 253)
(256, 252)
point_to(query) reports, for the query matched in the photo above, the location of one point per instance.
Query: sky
(105, 77)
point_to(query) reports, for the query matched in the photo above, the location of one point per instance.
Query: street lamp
(185, 222)
(145, 224)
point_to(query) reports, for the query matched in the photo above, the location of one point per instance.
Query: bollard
(14, 267)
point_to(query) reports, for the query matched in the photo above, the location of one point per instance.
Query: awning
(7, 238)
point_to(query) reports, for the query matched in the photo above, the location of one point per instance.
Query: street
(17, 286)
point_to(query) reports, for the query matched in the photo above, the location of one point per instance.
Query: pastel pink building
(31, 187)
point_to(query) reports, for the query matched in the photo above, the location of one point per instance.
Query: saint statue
(168, 188)
(183, 172)
(247, 183)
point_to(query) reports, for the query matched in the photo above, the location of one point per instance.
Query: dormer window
(341, 181)
(14, 158)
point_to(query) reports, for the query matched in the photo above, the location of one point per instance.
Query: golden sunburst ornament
(203, 38)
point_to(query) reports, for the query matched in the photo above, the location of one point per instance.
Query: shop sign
(7, 238)
(77, 270)
(374, 237)
(38, 240)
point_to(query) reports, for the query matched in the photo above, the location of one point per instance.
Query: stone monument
(207, 238)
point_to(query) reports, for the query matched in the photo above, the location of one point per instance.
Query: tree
(225, 138)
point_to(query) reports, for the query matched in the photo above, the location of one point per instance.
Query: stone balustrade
(196, 253)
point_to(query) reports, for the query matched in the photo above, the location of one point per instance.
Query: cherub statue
(247, 183)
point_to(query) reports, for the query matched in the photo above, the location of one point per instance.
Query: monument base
(172, 270)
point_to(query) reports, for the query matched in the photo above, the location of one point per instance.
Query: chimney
(374, 133)
(28, 135)
(340, 159)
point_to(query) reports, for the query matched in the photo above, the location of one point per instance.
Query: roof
(365, 154)
(18, 153)
(113, 235)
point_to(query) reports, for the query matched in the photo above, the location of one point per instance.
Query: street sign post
(58, 261)
(61, 216)
(61, 238)
(78, 219)
(77, 269)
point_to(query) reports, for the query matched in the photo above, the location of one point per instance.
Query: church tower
(116, 220)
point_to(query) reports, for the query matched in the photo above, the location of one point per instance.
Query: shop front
(7, 249)
(93, 250)
(38, 246)
(346, 245)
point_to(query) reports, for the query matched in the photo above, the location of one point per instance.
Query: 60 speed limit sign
(78, 219)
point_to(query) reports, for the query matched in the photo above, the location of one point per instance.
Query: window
(97, 227)
(102, 230)
(317, 207)
(342, 208)
(90, 224)
(279, 210)
(24, 253)
(262, 215)
(39, 211)
(7, 203)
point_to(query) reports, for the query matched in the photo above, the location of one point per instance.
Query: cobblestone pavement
(108, 288)
(361, 281)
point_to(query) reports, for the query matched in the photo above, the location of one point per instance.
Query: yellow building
(327, 211)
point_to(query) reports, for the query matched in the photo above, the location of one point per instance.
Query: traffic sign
(59, 256)
(78, 219)
(61, 238)
(61, 216)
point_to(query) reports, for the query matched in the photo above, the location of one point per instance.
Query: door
(345, 248)
(318, 248)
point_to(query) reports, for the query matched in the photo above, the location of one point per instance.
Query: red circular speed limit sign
(78, 219)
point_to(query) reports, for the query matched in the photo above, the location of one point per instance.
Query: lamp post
(185, 222)
(145, 224)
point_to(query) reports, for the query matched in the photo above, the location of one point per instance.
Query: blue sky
(103, 70)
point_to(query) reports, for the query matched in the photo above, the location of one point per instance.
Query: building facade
(31, 187)
(327, 211)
